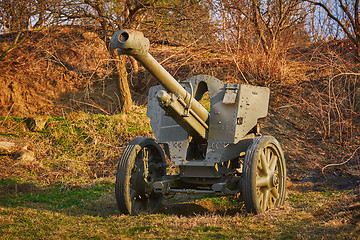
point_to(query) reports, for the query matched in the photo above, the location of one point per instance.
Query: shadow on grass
(193, 205)
(301, 218)
(195, 209)
(99, 200)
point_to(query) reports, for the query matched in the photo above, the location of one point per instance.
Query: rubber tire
(251, 160)
(124, 174)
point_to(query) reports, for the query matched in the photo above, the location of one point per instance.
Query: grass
(62, 212)
(68, 193)
(78, 148)
(55, 199)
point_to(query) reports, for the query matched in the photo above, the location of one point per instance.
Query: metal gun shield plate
(225, 126)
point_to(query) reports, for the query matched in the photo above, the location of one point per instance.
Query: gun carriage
(218, 152)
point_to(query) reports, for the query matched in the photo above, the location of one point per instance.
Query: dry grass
(70, 193)
(76, 149)
(84, 213)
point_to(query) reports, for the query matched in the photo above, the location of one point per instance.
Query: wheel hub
(275, 180)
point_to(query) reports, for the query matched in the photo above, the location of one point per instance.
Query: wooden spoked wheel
(264, 175)
(141, 164)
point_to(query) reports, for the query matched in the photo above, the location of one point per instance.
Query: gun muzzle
(130, 42)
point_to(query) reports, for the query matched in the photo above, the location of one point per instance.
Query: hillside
(65, 75)
(56, 72)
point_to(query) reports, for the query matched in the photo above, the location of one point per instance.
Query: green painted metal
(208, 148)
(134, 43)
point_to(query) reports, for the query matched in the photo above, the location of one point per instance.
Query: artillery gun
(219, 152)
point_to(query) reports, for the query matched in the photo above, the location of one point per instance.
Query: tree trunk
(125, 101)
(134, 64)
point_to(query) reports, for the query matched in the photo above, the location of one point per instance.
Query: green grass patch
(10, 135)
(11, 118)
(10, 181)
(205, 101)
(12, 127)
(78, 147)
(55, 198)
(224, 201)
(138, 229)
(219, 200)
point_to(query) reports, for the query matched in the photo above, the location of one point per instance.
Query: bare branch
(340, 164)
(337, 20)
(346, 11)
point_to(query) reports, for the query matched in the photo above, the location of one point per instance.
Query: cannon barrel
(133, 43)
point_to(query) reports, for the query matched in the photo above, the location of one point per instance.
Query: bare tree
(22, 15)
(273, 19)
(267, 21)
(346, 14)
(177, 21)
(124, 16)
(15, 15)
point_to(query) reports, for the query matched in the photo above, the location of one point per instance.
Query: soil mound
(55, 71)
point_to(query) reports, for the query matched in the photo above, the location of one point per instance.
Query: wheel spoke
(264, 164)
(275, 192)
(265, 200)
(273, 162)
(268, 155)
(260, 196)
(144, 154)
(262, 182)
(135, 176)
(143, 161)
(271, 202)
